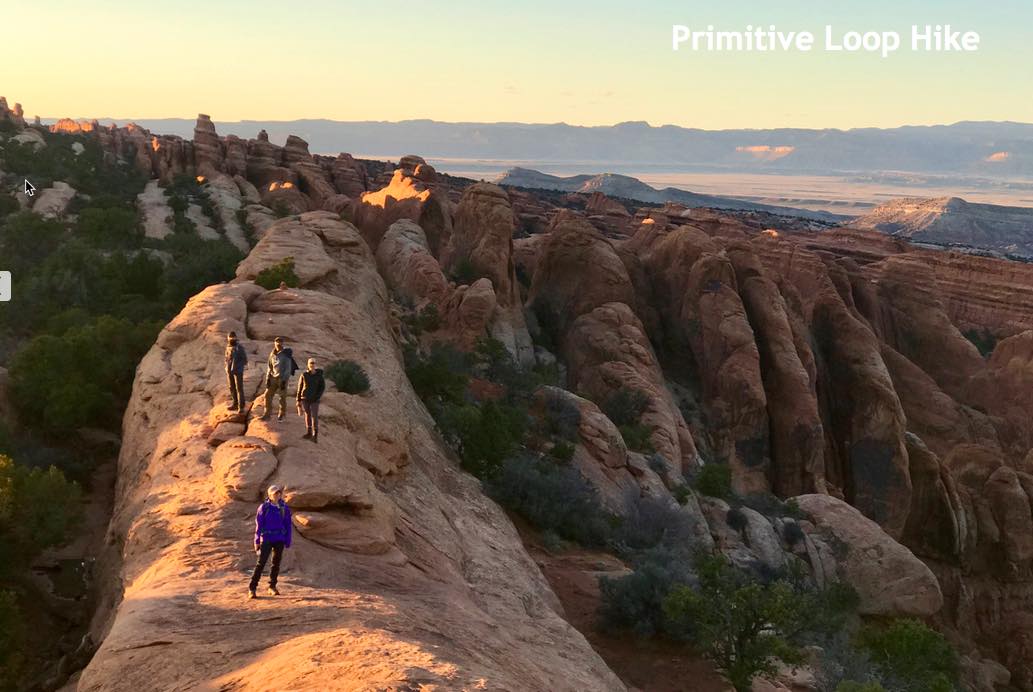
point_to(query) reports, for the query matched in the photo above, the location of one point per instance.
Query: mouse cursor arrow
(29, 189)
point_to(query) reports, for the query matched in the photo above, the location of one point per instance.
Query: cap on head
(231, 335)
(273, 489)
(278, 340)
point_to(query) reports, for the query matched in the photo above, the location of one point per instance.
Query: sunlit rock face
(401, 571)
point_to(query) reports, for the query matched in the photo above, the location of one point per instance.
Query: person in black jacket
(311, 386)
(236, 361)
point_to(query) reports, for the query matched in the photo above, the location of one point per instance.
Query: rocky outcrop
(402, 573)
(606, 350)
(53, 202)
(482, 242)
(208, 153)
(155, 212)
(888, 578)
(406, 196)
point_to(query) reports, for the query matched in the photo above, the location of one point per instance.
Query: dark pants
(236, 380)
(263, 556)
(311, 416)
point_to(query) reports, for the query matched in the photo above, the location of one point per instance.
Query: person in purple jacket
(272, 535)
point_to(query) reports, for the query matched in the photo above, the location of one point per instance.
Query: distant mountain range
(995, 149)
(626, 187)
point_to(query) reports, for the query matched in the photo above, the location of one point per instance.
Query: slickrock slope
(951, 220)
(402, 575)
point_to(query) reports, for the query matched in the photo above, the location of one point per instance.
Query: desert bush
(714, 480)
(439, 377)
(109, 226)
(552, 498)
(428, 319)
(197, 264)
(483, 435)
(348, 376)
(736, 519)
(12, 627)
(82, 377)
(562, 451)
(635, 602)
(37, 507)
(637, 438)
(792, 533)
(913, 653)
(562, 417)
(681, 492)
(745, 627)
(8, 205)
(283, 271)
(625, 406)
(464, 273)
(650, 522)
(983, 339)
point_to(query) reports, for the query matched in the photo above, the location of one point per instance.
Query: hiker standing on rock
(236, 361)
(281, 366)
(272, 534)
(311, 386)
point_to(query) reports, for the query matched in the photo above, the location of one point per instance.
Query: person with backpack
(236, 361)
(273, 531)
(311, 386)
(281, 366)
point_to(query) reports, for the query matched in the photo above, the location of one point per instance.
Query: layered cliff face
(402, 573)
(843, 363)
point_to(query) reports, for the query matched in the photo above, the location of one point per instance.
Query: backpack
(294, 363)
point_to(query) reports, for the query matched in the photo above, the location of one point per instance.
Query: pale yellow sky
(580, 62)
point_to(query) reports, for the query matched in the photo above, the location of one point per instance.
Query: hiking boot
(279, 416)
(315, 438)
(307, 436)
(273, 591)
(251, 594)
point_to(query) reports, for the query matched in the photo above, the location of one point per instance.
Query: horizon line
(124, 120)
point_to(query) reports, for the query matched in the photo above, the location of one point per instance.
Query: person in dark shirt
(236, 361)
(311, 386)
(278, 374)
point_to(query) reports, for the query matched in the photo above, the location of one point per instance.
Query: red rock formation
(406, 197)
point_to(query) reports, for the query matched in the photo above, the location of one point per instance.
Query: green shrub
(440, 377)
(983, 339)
(736, 519)
(109, 227)
(792, 533)
(80, 378)
(197, 263)
(348, 376)
(715, 480)
(552, 498)
(635, 602)
(625, 406)
(483, 435)
(428, 319)
(27, 240)
(12, 627)
(681, 492)
(464, 273)
(562, 451)
(8, 205)
(747, 627)
(561, 417)
(37, 507)
(282, 272)
(281, 209)
(912, 652)
(637, 437)
(652, 522)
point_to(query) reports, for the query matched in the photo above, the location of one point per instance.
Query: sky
(574, 61)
